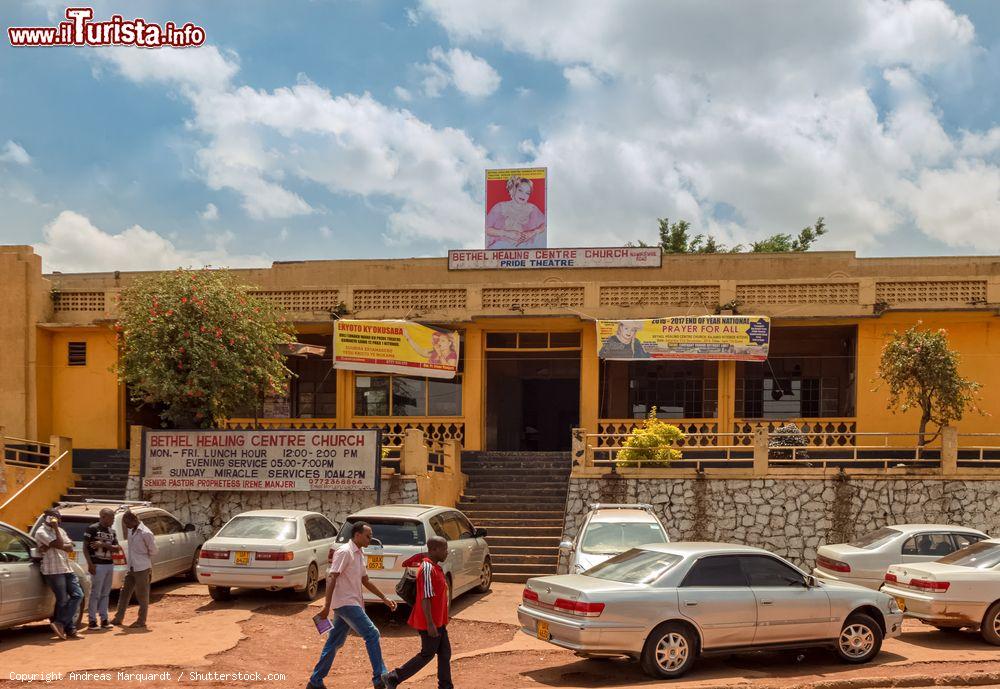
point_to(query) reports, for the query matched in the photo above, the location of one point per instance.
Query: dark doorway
(532, 400)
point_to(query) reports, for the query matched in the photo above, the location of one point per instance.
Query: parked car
(865, 560)
(961, 590)
(24, 595)
(268, 549)
(608, 530)
(664, 605)
(177, 544)
(402, 532)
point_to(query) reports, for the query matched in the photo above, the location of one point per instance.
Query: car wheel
(220, 593)
(990, 628)
(860, 639)
(192, 574)
(485, 578)
(670, 651)
(312, 585)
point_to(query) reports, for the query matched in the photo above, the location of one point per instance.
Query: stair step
(500, 502)
(547, 549)
(508, 536)
(548, 560)
(529, 570)
(101, 483)
(496, 524)
(513, 578)
(478, 514)
(516, 486)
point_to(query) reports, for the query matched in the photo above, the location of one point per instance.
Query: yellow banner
(395, 347)
(733, 338)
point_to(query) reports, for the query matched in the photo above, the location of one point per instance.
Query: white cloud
(71, 243)
(581, 77)
(959, 205)
(325, 232)
(469, 74)
(199, 68)
(211, 212)
(402, 94)
(14, 153)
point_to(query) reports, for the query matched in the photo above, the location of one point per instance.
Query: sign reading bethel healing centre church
(527, 259)
(266, 460)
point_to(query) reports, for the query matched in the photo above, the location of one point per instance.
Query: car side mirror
(566, 545)
(35, 555)
(810, 581)
(480, 532)
(188, 528)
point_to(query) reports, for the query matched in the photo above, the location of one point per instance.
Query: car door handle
(766, 602)
(690, 603)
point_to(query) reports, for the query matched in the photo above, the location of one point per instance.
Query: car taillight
(891, 578)
(578, 607)
(214, 554)
(528, 594)
(118, 557)
(279, 557)
(832, 565)
(931, 586)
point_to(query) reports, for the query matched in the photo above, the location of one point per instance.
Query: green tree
(199, 343)
(675, 238)
(921, 372)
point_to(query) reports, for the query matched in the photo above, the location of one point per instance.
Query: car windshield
(978, 556)
(636, 566)
(611, 538)
(75, 526)
(875, 538)
(406, 532)
(272, 528)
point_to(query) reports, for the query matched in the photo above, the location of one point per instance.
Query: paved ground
(266, 633)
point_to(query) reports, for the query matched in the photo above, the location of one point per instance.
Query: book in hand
(323, 624)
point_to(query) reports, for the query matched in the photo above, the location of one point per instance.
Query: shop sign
(390, 346)
(527, 259)
(732, 338)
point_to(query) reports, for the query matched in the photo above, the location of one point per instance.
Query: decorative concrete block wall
(792, 517)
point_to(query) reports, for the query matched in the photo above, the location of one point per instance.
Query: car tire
(860, 639)
(485, 578)
(311, 590)
(192, 574)
(220, 593)
(990, 629)
(669, 651)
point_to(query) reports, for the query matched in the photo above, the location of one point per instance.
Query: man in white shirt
(343, 595)
(56, 545)
(141, 545)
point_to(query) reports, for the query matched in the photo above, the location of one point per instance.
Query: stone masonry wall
(209, 510)
(791, 517)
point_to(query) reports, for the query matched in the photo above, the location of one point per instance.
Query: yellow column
(727, 400)
(474, 387)
(345, 397)
(590, 367)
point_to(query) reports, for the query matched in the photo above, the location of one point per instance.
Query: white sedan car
(865, 560)
(959, 590)
(609, 530)
(268, 549)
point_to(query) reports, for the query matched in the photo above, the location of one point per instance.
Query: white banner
(261, 460)
(527, 259)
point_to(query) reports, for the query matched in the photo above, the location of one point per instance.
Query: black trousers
(430, 646)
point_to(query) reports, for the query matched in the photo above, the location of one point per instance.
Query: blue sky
(360, 128)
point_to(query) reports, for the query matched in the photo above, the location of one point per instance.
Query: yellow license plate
(542, 631)
(242, 557)
(376, 562)
(901, 602)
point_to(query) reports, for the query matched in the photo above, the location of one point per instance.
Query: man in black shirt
(99, 546)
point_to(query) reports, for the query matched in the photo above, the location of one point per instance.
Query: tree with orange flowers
(199, 343)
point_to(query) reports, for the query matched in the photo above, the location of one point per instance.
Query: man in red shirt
(430, 619)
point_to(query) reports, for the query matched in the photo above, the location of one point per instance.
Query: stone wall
(792, 517)
(209, 510)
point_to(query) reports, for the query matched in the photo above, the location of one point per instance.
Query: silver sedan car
(666, 604)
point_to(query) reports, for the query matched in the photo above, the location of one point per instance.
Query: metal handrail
(37, 476)
(25, 440)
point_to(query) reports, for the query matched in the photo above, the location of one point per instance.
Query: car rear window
(876, 538)
(611, 538)
(406, 532)
(75, 526)
(978, 556)
(274, 528)
(636, 566)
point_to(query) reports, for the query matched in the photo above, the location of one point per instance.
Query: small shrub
(788, 435)
(651, 442)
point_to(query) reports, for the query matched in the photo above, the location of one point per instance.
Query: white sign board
(278, 460)
(527, 259)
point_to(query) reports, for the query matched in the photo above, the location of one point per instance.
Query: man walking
(56, 546)
(141, 548)
(430, 619)
(99, 546)
(344, 597)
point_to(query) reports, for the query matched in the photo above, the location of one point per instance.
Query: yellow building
(529, 368)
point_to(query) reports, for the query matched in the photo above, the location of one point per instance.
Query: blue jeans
(68, 595)
(345, 619)
(100, 589)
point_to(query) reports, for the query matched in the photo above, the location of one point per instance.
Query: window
(533, 340)
(717, 571)
(389, 531)
(763, 571)
(437, 524)
(319, 528)
(13, 548)
(155, 524)
(875, 539)
(313, 388)
(327, 528)
(963, 540)
(466, 530)
(171, 525)
(635, 566)
(270, 528)
(611, 538)
(409, 396)
(933, 545)
(77, 354)
(982, 555)
(678, 389)
(451, 526)
(75, 527)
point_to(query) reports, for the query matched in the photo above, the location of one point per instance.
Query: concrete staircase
(520, 499)
(103, 474)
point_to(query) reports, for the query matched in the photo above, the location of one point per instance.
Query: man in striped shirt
(430, 619)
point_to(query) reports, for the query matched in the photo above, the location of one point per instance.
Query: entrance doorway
(532, 393)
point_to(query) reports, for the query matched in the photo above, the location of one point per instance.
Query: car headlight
(894, 606)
